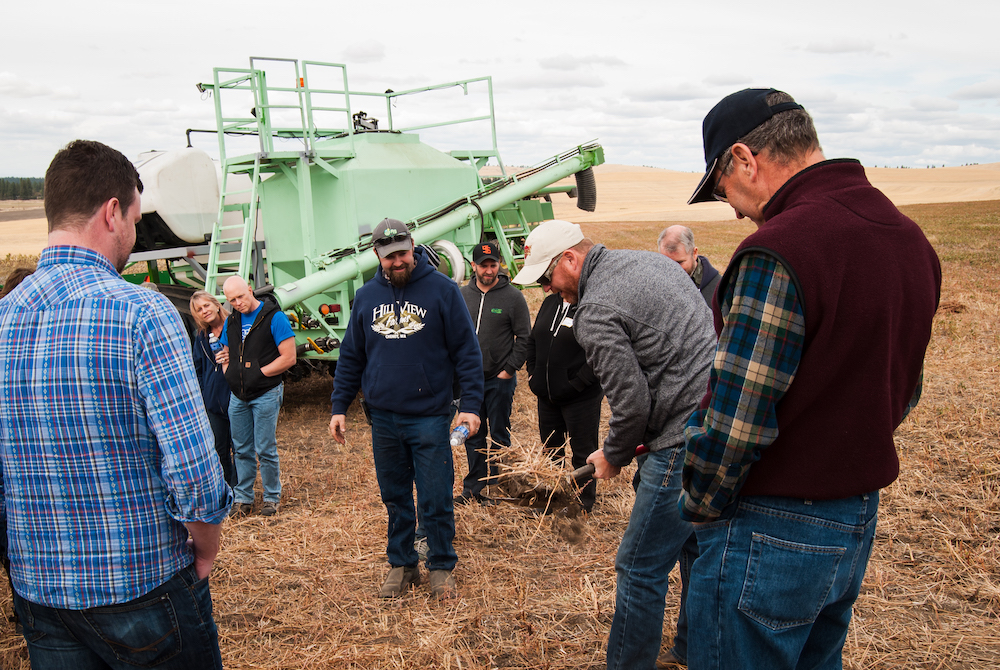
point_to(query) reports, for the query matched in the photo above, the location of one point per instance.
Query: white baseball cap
(545, 242)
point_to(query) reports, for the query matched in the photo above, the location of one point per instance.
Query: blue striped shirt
(105, 447)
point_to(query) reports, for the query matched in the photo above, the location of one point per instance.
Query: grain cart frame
(305, 176)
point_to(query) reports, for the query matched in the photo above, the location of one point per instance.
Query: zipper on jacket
(260, 317)
(479, 318)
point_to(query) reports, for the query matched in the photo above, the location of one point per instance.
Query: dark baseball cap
(732, 118)
(390, 236)
(484, 251)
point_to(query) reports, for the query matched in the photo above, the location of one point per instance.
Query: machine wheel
(456, 261)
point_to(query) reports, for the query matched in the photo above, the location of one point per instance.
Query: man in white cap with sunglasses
(648, 336)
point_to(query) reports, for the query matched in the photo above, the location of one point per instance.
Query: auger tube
(357, 264)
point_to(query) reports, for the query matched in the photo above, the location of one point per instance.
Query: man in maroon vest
(823, 316)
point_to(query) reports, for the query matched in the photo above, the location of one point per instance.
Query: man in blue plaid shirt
(823, 318)
(111, 491)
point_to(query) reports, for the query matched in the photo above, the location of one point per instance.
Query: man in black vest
(820, 357)
(259, 342)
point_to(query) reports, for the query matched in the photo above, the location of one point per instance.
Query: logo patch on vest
(497, 310)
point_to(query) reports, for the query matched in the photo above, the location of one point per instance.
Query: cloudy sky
(913, 83)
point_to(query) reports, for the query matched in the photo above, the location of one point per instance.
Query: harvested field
(299, 591)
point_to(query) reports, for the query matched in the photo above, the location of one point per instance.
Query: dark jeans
(169, 627)
(414, 449)
(498, 398)
(581, 420)
(223, 445)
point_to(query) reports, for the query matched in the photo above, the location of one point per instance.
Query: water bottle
(459, 434)
(214, 344)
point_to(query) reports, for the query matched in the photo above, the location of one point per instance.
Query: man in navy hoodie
(409, 339)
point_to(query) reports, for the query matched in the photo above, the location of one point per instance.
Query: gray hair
(785, 136)
(685, 237)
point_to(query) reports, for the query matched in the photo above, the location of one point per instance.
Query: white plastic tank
(182, 187)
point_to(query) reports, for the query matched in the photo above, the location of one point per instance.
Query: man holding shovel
(648, 336)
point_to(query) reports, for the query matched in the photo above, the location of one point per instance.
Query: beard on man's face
(400, 277)
(486, 279)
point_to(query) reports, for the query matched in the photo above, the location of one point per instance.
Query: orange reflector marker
(324, 309)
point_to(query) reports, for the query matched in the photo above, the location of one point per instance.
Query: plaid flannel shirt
(759, 351)
(105, 447)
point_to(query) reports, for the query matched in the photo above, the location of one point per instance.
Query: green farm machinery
(305, 174)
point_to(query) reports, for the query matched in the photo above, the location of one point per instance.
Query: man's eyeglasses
(719, 193)
(386, 241)
(546, 277)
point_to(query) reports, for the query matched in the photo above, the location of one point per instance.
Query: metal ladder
(222, 264)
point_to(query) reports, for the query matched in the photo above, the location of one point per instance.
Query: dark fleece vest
(248, 356)
(869, 283)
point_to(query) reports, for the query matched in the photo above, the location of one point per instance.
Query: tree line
(21, 188)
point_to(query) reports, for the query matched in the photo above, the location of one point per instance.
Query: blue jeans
(689, 553)
(253, 424)
(649, 549)
(776, 580)
(169, 627)
(498, 399)
(414, 449)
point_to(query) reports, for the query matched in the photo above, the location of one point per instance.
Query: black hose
(586, 186)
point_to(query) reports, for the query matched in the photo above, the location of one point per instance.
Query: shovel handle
(581, 475)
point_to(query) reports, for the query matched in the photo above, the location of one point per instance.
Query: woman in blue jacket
(210, 317)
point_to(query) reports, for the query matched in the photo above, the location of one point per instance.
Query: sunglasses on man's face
(386, 241)
(546, 277)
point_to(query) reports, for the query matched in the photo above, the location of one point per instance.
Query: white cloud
(984, 90)
(562, 80)
(13, 86)
(569, 62)
(672, 93)
(927, 103)
(841, 46)
(368, 51)
(727, 80)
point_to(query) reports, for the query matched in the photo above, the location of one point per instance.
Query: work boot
(269, 509)
(443, 585)
(240, 510)
(670, 660)
(398, 581)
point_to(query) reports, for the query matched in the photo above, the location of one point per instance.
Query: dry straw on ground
(299, 591)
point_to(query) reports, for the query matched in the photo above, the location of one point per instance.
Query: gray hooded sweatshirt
(503, 324)
(649, 337)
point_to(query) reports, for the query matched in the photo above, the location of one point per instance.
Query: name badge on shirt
(567, 322)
